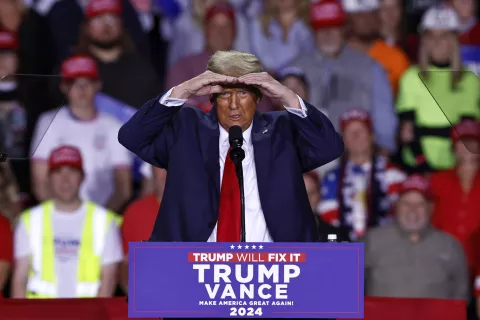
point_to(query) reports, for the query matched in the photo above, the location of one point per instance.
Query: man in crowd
(412, 259)
(456, 191)
(341, 78)
(296, 80)
(107, 164)
(139, 219)
(66, 247)
(364, 35)
(360, 193)
(126, 75)
(63, 22)
(6, 252)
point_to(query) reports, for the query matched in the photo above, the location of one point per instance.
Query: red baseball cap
(99, 7)
(8, 40)
(79, 66)
(355, 114)
(417, 183)
(65, 156)
(466, 128)
(224, 8)
(326, 13)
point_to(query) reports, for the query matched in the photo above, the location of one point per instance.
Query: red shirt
(6, 240)
(472, 36)
(138, 220)
(457, 212)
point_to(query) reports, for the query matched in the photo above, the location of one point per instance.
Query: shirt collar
(423, 233)
(247, 135)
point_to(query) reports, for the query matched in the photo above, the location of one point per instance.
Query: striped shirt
(355, 188)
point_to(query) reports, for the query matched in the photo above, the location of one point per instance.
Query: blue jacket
(184, 141)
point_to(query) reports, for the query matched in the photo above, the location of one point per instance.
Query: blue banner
(237, 280)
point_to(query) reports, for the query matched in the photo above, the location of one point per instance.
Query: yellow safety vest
(42, 281)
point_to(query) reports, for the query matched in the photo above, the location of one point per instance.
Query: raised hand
(271, 88)
(205, 84)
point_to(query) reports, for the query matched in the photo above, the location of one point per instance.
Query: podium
(246, 280)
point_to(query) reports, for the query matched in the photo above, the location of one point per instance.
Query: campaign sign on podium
(245, 280)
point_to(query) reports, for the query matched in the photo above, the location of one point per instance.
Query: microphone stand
(237, 155)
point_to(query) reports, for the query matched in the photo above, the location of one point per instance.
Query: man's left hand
(271, 88)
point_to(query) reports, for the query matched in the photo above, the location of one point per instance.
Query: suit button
(212, 224)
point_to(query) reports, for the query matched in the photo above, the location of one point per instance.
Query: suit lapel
(262, 145)
(209, 134)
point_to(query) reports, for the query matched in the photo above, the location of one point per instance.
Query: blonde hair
(270, 13)
(234, 63)
(455, 65)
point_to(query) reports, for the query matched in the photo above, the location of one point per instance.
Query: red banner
(414, 309)
(117, 308)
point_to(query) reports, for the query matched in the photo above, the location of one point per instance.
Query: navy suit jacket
(185, 141)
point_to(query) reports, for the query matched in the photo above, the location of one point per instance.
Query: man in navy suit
(200, 196)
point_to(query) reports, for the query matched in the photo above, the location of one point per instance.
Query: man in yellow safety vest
(66, 247)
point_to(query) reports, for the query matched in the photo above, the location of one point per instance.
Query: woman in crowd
(470, 32)
(281, 33)
(456, 191)
(429, 104)
(391, 13)
(394, 30)
(6, 252)
(469, 25)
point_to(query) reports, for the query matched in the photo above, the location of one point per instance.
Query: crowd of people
(397, 79)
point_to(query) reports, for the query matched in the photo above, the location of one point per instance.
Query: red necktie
(228, 227)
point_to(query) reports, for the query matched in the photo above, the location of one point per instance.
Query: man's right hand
(407, 132)
(205, 84)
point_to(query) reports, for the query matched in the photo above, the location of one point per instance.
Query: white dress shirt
(255, 226)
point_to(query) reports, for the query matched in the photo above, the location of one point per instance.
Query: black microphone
(235, 137)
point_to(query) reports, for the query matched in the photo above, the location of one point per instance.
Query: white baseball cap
(356, 6)
(440, 18)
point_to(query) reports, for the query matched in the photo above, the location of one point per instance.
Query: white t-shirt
(67, 233)
(98, 142)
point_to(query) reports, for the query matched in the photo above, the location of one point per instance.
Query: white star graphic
(260, 247)
(232, 247)
(246, 247)
(239, 247)
(254, 247)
